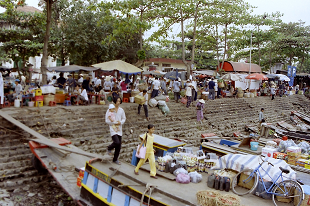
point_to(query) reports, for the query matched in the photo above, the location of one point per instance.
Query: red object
(207, 135)
(277, 141)
(167, 99)
(237, 134)
(79, 181)
(60, 141)
(39, 98)
(279, 155)
(125, 100)
(6, 104)
(52, 103)
(284, 138)
(184, 100)
(257, 76)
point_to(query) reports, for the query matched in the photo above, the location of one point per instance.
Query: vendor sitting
(18, 91)
(83, 96)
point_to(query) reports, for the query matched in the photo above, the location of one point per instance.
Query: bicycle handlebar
(265, 160)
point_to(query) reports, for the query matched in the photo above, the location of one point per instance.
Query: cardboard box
(38, 98)
(249, 183)
(139, 99)
(268, 152)
(279, 155)
(293, 151)
(301, 162)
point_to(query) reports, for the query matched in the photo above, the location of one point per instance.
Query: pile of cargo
(288, 150)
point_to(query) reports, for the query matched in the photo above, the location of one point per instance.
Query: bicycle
(286, 192)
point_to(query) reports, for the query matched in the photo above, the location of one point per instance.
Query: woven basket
(207, 197)
(228, 200)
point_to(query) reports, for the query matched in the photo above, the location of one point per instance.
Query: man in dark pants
(120, 119)
(146, 112)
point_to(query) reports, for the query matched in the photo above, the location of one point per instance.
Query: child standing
(111, 116)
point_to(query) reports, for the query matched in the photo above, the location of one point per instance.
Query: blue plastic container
(254, 146)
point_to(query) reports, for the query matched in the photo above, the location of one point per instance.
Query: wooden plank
(68, 149)
(168, 176)
(43, 140)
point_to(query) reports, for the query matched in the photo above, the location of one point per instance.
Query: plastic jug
(16, 103)
(254, 146)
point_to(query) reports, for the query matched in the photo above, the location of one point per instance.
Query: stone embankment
(85, 127)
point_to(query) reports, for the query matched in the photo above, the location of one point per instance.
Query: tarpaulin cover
(240, 162)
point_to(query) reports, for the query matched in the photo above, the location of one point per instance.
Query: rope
(150, 188)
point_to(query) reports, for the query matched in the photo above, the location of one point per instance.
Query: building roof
(164, 60)
(28, 9)
(240, 67)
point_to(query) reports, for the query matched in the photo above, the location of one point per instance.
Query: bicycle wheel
(288, 192)
(243, 184)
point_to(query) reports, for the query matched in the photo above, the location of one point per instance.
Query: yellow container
(38, 92)
(40, 103)
(307, 164)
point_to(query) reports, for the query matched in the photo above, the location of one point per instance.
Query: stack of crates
(38, 98)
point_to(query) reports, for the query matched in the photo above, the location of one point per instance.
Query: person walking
(147, 140)
(176, 89)
(146, 96)
(272, 91)
(189, 94)
(163, 85)
(155, 87)
(120, 119)
(261, 118)
(211, 89)
(194, 90)
(199, 107)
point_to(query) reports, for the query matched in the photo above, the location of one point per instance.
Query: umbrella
(257, 76)
(280, 77)
(71, 68)
(283, 77)
(172, 75)
(231, 77)
(118, 65)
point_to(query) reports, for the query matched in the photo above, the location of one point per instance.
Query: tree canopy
(205, 32)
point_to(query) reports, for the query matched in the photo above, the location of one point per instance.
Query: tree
(21, 34)
(44, 59)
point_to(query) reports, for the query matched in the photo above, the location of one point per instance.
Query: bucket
(254, 146)
(132, 99)
(30, 104)
(47, 99)
(16, 103)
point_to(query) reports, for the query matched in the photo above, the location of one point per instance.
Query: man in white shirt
(155, 87)
(81, 79)
(194, 90)
(189, 94)
(120, 119)
(107, 86)
(18, 90)
(146, 96)
(83, 96)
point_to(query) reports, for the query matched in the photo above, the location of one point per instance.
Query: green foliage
(21, 33)
(141, 55)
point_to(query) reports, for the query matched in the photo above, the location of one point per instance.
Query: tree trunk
(225, 44)
(183, 46)
(217, 45)
(46, 39)
(141, 39)
(194, 35)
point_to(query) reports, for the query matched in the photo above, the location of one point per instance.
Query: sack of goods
(162, 103)
(153, 102)
(160, 98)
(195, 177)
(180, 170)
(165, 110)
(183, 178)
